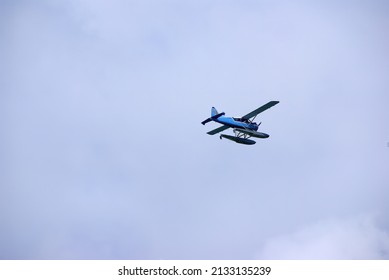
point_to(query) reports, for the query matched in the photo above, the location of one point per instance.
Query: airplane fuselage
(243, 127)
(231, 122)
(234, 123)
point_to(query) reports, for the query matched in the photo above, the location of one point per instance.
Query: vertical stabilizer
(214, 112)
(214, 116)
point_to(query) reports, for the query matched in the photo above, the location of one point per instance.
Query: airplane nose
(264, 135)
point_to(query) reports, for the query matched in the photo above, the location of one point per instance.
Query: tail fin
(214, 112)
(214, 116)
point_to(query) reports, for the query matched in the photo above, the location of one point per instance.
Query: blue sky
(104, 156)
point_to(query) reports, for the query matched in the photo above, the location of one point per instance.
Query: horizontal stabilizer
(217, 116)
(206, 121)
(213, 117)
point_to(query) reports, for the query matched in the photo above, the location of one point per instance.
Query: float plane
(244, 127)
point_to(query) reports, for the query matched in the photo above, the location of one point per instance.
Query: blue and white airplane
(244, 127)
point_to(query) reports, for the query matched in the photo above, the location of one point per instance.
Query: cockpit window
(241, 120)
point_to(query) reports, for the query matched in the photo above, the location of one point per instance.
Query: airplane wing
(217, 130)
(260, 110)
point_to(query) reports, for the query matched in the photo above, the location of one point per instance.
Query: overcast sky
(103, 156)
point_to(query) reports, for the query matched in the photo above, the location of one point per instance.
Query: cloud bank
(357, 238)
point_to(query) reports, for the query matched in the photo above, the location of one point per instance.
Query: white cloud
(356, 238)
